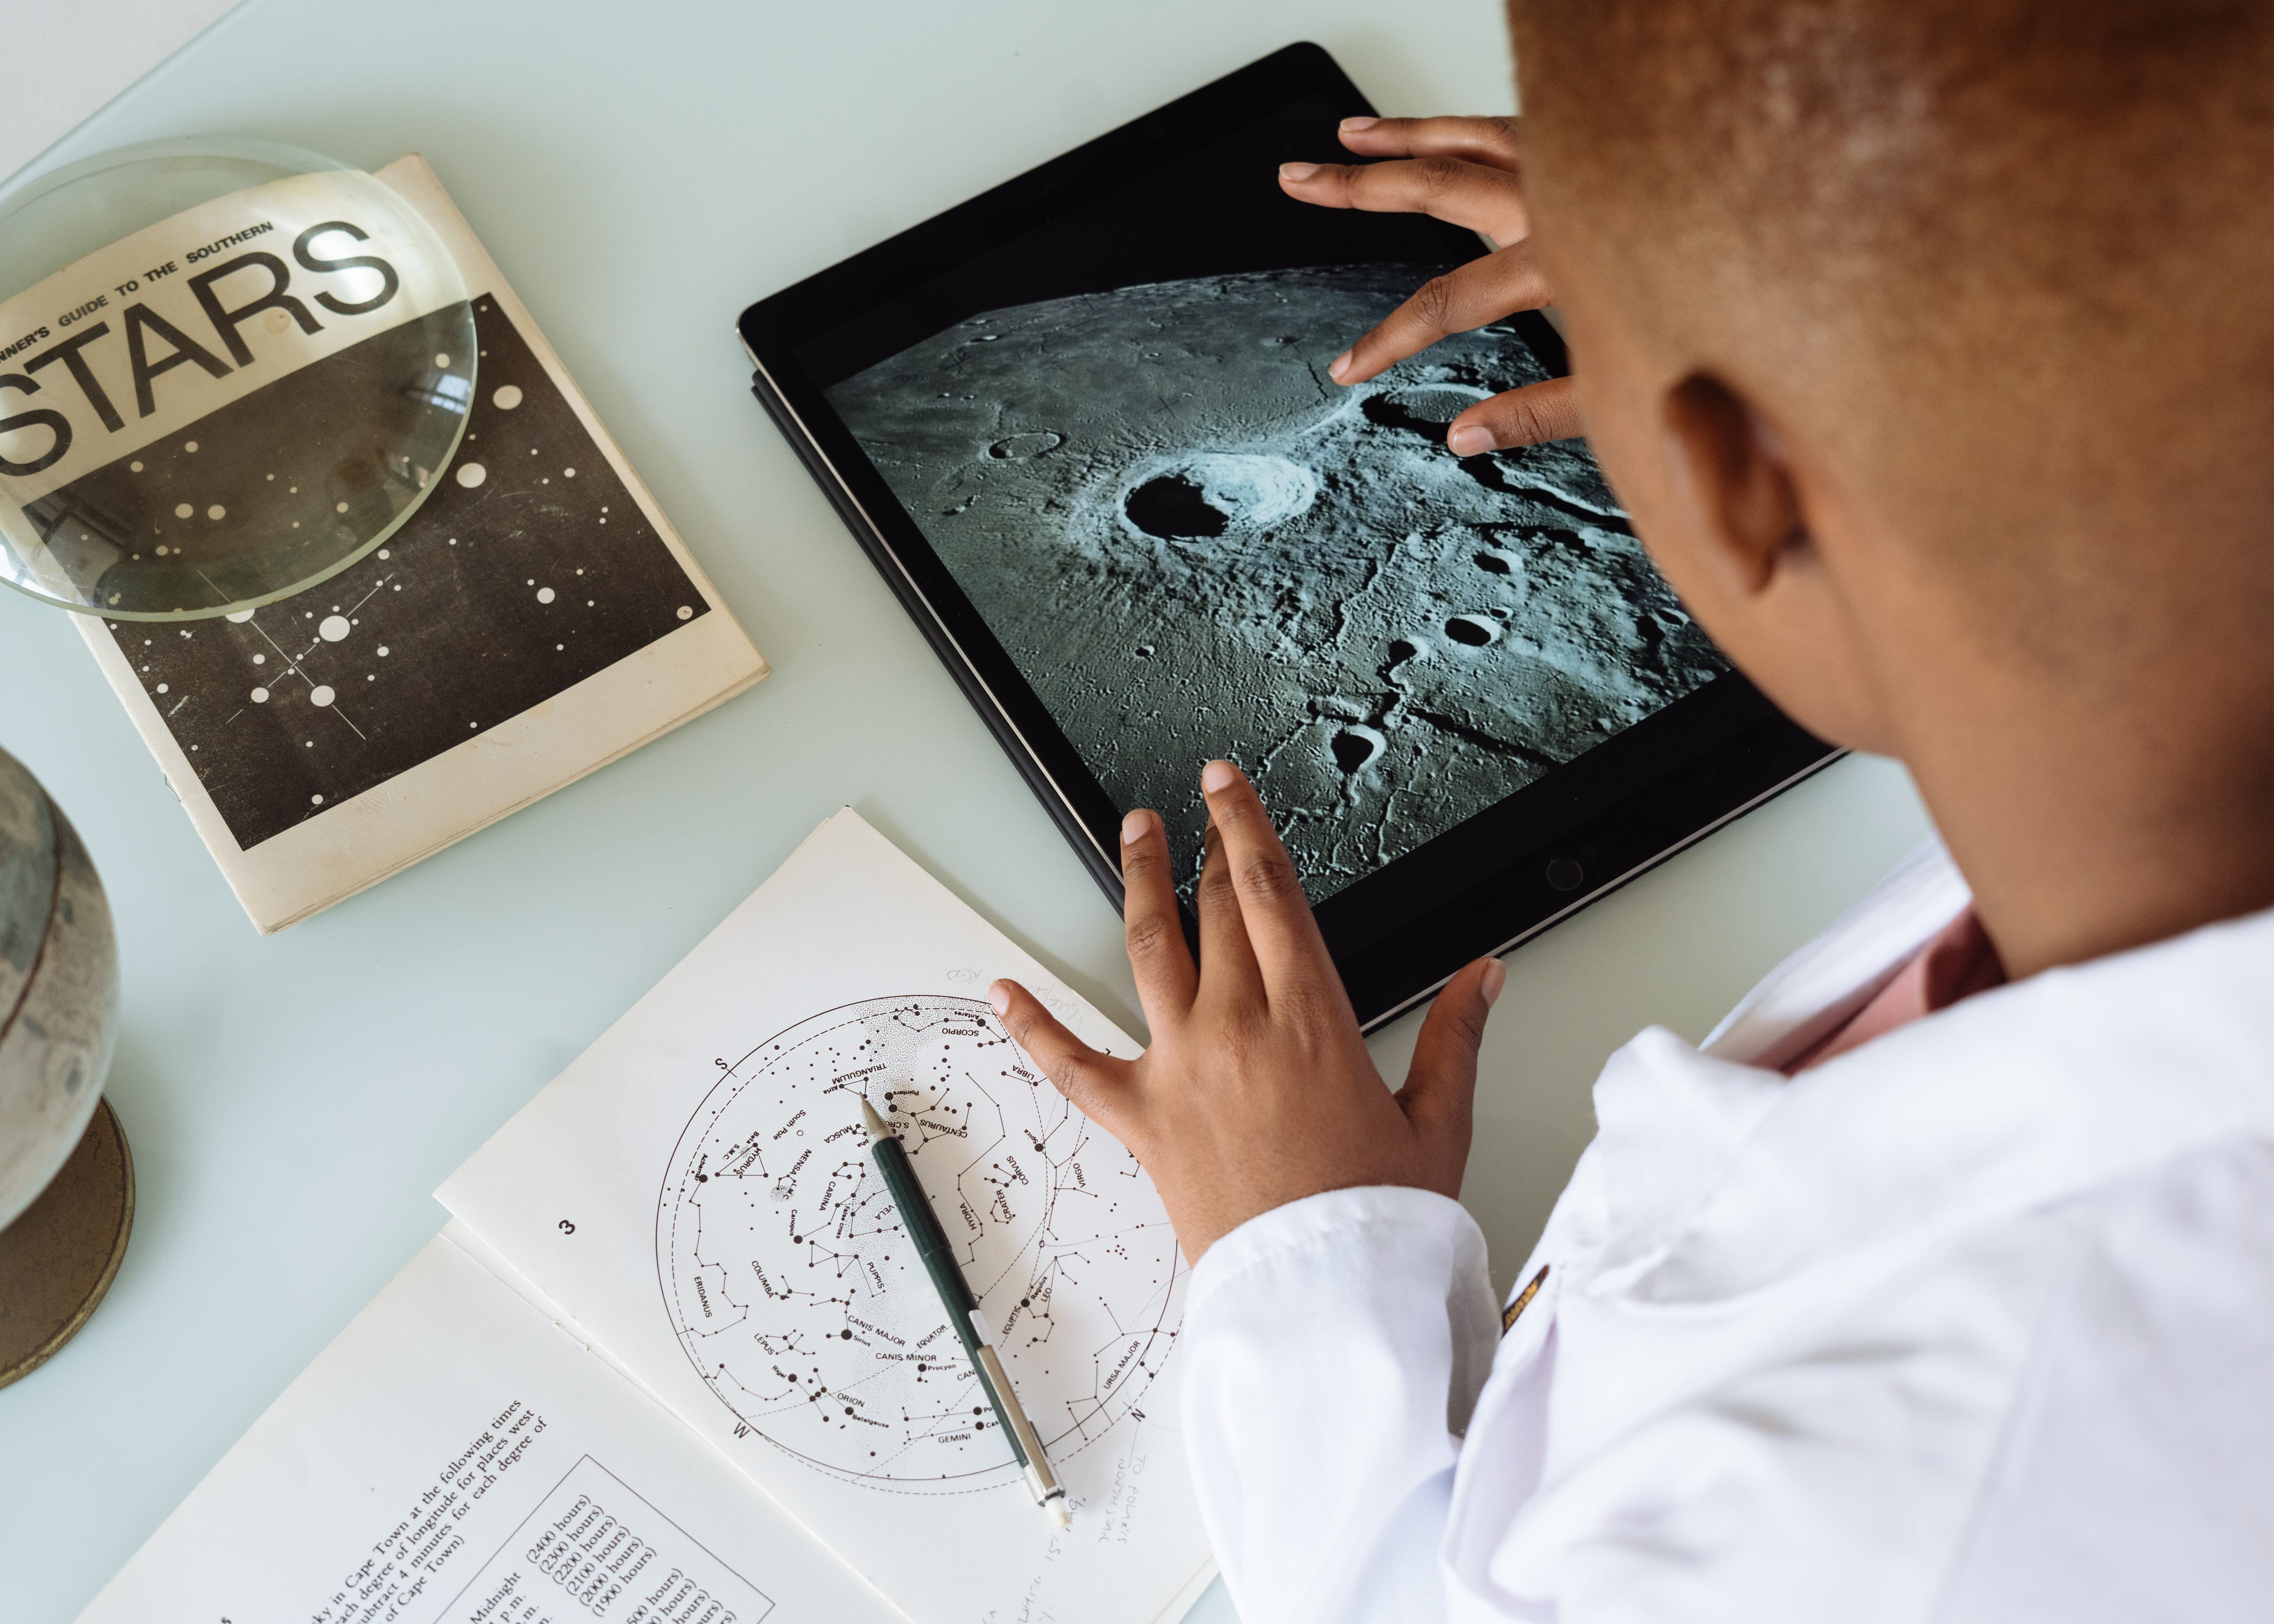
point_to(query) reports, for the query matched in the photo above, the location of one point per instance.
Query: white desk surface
(641, 172)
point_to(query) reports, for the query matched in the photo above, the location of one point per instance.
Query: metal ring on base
(58, 1259)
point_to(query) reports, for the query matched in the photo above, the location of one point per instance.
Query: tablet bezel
(1490, 883)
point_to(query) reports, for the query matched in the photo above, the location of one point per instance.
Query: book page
(454, 1459)
(695, 1194)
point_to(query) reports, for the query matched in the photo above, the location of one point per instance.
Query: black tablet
(1083, 424)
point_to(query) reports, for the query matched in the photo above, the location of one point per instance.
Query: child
(1928, 343)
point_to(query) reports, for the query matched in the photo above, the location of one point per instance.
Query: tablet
(1082, 422)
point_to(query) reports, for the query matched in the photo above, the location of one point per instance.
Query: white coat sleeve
(1333, 1349)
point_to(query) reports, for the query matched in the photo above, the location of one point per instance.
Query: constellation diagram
(801, 1303)
(527, 569)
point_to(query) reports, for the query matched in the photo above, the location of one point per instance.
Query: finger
(1094, 1082)
(1531, 416)
(1462, 194)
(1166, 978)
(1288, 948)
(1469, 297)
(1439, 1098)
(1227, 957)
(1488, 141)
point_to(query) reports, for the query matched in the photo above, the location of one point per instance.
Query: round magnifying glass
(228, 369)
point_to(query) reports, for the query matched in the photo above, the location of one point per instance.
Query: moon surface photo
(1192, 543)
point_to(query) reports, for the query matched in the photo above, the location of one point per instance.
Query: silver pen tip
(877, 1128)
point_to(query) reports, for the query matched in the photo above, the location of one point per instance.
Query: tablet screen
(1086, 424)
(1192, 543)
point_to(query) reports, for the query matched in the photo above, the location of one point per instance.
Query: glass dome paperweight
(228, 369)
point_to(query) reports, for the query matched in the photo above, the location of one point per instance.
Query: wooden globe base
(61, 1254)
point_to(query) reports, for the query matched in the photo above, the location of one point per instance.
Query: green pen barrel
(939, 1262)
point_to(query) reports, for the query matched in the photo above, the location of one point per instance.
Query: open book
(673, 1363)
(535, 618)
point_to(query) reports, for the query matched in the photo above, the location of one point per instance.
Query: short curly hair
(2009, 257)
(2077, 154)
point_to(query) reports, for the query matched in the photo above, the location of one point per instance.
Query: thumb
(1529, 415)
(1440, 1085)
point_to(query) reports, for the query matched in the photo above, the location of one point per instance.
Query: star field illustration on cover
(529, 569)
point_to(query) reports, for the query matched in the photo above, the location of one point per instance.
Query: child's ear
(1727, 466)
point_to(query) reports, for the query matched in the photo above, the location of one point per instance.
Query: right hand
(1257, 1089)
(1463, 171)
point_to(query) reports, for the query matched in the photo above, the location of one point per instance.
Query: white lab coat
(1973, 1323)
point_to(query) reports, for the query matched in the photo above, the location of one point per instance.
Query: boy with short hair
(1926, 342)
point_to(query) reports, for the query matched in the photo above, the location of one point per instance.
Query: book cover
(536, 618)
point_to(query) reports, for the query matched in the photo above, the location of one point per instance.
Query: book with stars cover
(535, 618)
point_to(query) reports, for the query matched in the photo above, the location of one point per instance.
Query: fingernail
(1351, 126)
(1468, 440)
(999, 997)
(1340, 365)
(1298, 171)
(1494, 979)
(1135, 827)
(1218, 775)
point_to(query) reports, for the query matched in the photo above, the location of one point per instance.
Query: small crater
(1353, 748)
(1492, 563)
(1024, 447)
(1174, 508)
(1144, 650)
(1401, 652)
(1470, 631)
(1424, 408)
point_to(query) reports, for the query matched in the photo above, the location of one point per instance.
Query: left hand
(1258, 1089)
(1467, 172)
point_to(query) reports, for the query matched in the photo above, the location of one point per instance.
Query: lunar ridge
(1192, 543)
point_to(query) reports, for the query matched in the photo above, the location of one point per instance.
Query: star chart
(528, 568)
(793, 1291)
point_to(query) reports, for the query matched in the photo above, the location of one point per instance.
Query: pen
(963, 1313)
